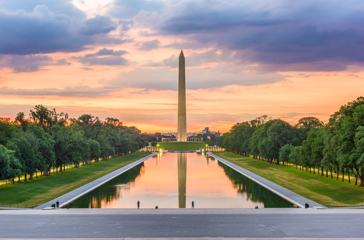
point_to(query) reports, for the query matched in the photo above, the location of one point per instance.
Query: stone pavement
(13, 208)
(182, 223)
(70, 196)
(184, 211)
(279, 190)
(179, 238)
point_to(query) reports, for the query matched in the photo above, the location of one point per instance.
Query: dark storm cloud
(29, 63)
(43, 30)
(127, 9)
(104, 56)
(284, 35)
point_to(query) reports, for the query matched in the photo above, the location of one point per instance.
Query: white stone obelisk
(181, 131)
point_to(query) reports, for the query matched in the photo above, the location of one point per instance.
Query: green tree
(45, 146)
(10, 166)
(46, 118)
(68, 142)
(305, 124)
(312, 149)
(359, 144)
(41, 116)
(340, 149)
(86, 123)
(210, 143)
(7, 130)
(94, 148)
(21, 121)
(278, 134)
(295, 156)
(284, 153)
(256, 138)
(220, 140)
(317, 147)
(25, 152)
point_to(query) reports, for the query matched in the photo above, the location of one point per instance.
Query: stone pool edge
(273, 187)
(78, 192)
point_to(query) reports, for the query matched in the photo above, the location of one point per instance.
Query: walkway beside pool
(287, 223)
(277, 189)
(70, 196)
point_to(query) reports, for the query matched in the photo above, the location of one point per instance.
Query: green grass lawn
(182, 145)
(321, 189)
(42, 190)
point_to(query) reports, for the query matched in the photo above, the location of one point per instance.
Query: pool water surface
(174, 180)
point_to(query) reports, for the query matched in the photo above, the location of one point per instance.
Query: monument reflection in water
(174, 180)
(182, 174)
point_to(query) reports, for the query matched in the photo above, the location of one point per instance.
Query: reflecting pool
(174, 180)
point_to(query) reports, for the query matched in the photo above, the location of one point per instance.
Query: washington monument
(181, 131)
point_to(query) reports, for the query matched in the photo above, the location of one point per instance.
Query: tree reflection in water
(110, 191)
(253, 191)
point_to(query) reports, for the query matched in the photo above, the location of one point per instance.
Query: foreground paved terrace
(185, 223)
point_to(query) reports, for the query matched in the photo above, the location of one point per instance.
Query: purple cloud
(29, 63)
(149, 45)
(285, 35)
(44, 31)
(125, 9)
(104, 56)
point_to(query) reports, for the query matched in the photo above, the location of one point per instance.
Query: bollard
(307, 205)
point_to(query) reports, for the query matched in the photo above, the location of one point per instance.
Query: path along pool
(174, 180)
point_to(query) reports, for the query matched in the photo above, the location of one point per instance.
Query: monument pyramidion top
(181, 55)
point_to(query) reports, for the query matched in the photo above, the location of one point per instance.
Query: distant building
(206, 130)
(169, 134)
(190, 134)
(171, 138)
(194, 139)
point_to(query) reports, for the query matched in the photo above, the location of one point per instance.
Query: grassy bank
(42, 190)
(321, 189)
(181, 145)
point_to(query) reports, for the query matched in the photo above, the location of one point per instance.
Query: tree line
(48, 139)
(337, 146)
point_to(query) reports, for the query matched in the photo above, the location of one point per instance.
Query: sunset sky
(119, 58)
